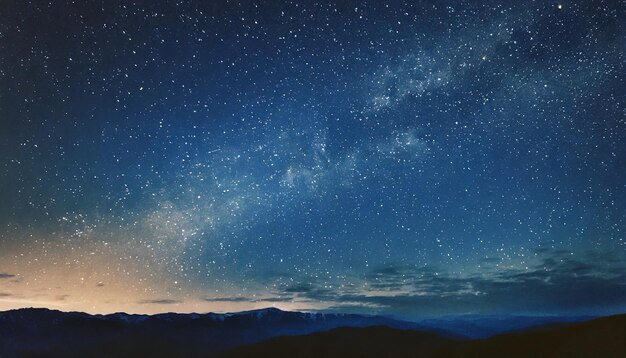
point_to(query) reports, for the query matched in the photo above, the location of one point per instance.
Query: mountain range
(267, 332)
(34, 331)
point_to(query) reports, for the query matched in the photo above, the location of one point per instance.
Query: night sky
(407, 158)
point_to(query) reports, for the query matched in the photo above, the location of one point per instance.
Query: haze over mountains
(272, 332)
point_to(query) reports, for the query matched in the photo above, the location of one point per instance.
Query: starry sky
(407, 158)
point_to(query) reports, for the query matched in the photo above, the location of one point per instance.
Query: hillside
(378, 341)
(604, 337)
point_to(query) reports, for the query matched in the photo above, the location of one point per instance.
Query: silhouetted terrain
(376, 341)
(276, 333)
(604, 337)
(42, 332)
(482, 326)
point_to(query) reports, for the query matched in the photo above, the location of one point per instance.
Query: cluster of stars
(299, 152)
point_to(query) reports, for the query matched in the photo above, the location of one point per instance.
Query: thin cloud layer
(558, 282)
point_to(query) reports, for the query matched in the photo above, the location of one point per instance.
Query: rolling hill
(604, 337)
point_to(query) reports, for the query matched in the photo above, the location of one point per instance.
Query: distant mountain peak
(262, 310)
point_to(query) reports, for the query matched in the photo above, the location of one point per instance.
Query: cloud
(558, 281)
(6, 275)
(162, 301)
(277, 299)
(248, 299)
(299, 288)
(228, 299)
(311, 289)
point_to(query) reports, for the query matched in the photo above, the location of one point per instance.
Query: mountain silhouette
(604, 337)
(275, 333)
(376, 341)
(43, 332)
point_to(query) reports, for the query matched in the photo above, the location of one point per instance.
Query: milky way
(410, 158)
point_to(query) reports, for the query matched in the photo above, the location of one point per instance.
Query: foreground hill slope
(378, 341)
(604, 337)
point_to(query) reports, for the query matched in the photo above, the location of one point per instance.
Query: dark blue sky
(405, 157)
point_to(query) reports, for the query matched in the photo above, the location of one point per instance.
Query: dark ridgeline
(35, 331)
(603, 337)
(276, 333)
(376, 341)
